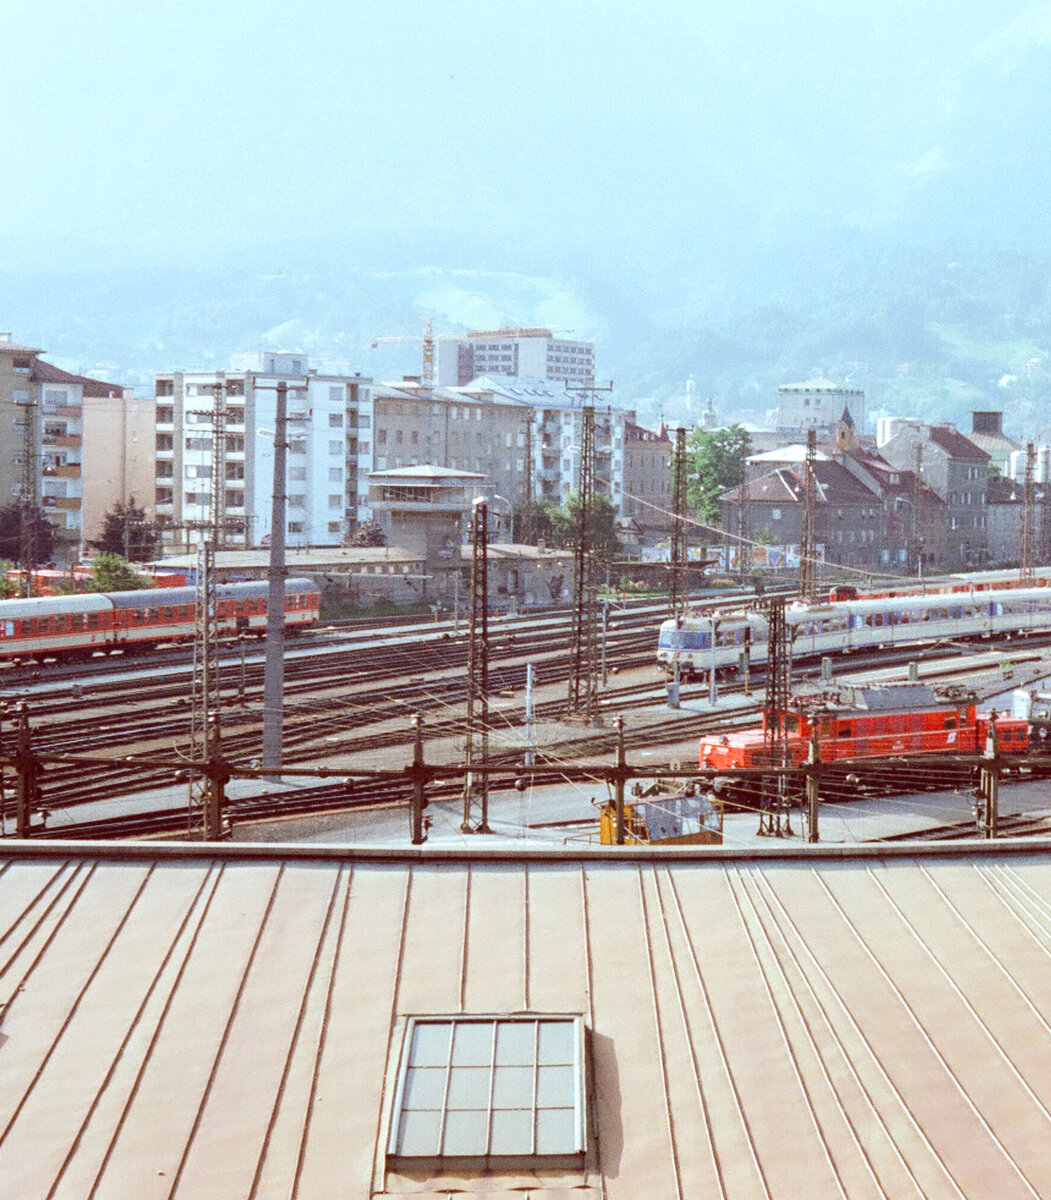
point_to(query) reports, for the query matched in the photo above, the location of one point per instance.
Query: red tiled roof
(956, 445)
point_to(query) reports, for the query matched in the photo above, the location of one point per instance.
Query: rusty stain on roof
(218, 1022)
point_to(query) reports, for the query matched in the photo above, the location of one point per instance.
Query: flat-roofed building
(322, 461)
(534, 352)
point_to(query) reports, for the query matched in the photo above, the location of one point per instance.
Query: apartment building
(322, 477)
(648, 477)
(90, 444)
(507, 429)
(535, 353)
(957, 471)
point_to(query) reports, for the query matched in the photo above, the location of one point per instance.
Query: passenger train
(838, 627)
(81, 625)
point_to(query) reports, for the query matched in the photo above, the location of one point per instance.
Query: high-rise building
(322, 438)
(536, 353)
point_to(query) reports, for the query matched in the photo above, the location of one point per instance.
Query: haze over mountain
(702, 190)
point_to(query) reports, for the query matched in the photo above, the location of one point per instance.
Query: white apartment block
(322, 437)
(532, 353)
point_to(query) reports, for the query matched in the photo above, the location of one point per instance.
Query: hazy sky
(153, 131)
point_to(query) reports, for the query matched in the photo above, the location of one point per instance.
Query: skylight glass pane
(515, 1043)
(554, 1087)
(473, 1044)
(430, 1044)
(469, 1087)
(465, 1132)
(512, 1132)
(556, 1131)
(424, 1088)
(419, 1133)
(556, 1042)
(513, 1087)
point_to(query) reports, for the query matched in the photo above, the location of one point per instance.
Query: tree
(532, 522)
(368, 534)
(128, 532)
(716, 464)
(602, 525)
(111, 573)
(11, 533)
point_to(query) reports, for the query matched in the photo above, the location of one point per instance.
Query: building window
(336, 501)
(335, 447)
(335, 474)
(485, 1088)
(335, 420)
(297, 474)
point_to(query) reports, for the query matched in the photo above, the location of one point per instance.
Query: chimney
(987, 422)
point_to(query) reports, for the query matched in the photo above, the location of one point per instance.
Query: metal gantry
(528, 532)
(1028, 515)
(773, 812)
(582, 700)
(206, 784)
(807, 574)
(477, 788)
(677, 590)
(27, 494)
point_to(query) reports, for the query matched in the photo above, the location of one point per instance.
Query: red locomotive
(886, 722)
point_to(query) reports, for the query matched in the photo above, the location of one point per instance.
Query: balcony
(67, 440)
(68, 471)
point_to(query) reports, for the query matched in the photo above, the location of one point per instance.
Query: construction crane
(427, 337)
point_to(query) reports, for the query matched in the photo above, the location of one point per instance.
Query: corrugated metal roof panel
(212, 1021)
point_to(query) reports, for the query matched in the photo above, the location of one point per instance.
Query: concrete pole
(274, 666)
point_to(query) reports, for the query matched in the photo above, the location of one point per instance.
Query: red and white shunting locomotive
(891, 721)
(78, 626)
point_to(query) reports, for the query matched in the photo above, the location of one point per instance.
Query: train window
(950, 723)
(844, 729)
(9, 629)
(792, 722)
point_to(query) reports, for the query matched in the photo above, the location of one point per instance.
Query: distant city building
(958, 472)
(91, 444)
(489, 427)
(817, 404)
(536, 353)
(322, 483)
(647, 477)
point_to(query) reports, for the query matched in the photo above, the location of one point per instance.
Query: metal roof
(215, 1021)
(45, 606)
